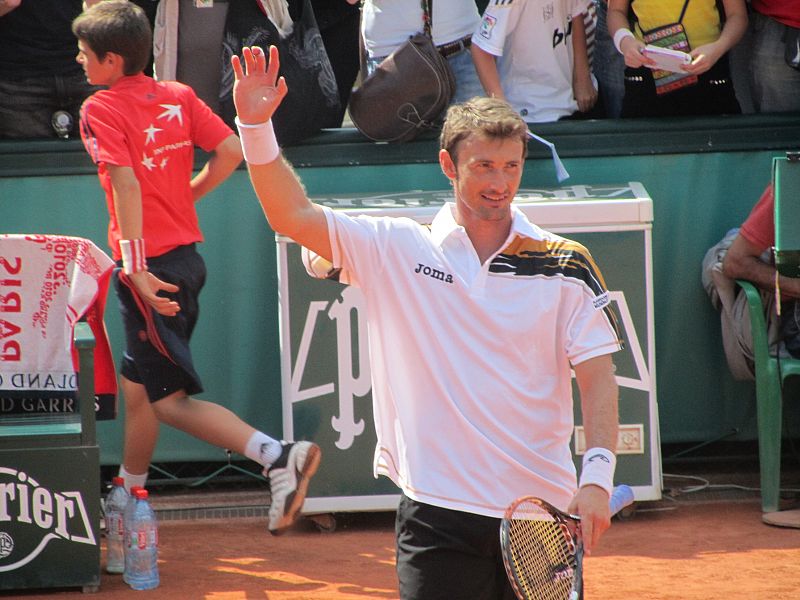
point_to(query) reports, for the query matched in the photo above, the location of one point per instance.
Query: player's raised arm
(257, 93)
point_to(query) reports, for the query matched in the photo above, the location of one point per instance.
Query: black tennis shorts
(157, 352)
(447, 554)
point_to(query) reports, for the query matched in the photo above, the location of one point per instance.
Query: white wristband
(259, 144)
(133, 256)
(620, 35)
(598, 469)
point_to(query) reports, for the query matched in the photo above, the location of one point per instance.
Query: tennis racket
(542, 547)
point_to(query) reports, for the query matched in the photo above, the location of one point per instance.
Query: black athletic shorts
(157, 351)
(447, 554)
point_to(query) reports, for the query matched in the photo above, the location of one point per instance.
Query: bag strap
(683, 11)
(427, 26)
(634, 20)
(427, 17)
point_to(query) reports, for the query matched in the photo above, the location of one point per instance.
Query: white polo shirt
(533, 42)
(388, 23)
(471, 382)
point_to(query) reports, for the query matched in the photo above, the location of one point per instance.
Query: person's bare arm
(486, 67)
(224, 160)
(6, 6)
(257, 93)
(743, 261)
(599, 408)
(630, 47)
(582, 87)
(128, 210)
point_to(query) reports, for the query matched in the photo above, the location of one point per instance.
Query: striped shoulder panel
(560, 257)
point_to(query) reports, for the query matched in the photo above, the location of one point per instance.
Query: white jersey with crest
(533, 42)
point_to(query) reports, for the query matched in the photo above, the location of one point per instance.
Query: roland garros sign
(33, 516)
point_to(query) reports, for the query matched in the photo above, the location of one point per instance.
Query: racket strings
(543, 557)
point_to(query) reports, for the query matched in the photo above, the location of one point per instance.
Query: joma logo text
(435, 273)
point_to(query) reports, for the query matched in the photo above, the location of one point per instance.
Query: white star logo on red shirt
(173, 111)
(151, 134)
(147, 161)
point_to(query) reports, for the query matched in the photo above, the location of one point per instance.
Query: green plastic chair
(770, 375)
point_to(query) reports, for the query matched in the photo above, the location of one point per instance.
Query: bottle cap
(141, 493)
(117, 480)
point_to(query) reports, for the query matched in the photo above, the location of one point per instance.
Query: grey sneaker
(288, 482)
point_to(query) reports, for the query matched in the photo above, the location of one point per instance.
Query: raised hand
(257, 91)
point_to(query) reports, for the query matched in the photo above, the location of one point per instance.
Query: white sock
(131, 479)
(263, 449)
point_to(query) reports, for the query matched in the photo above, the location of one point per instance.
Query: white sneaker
(288, 481)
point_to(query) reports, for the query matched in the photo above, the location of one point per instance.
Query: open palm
(257, 91)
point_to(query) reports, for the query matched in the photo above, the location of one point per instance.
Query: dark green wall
(703, 176)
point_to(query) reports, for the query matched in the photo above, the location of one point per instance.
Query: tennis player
(475, 323)
(141, 134)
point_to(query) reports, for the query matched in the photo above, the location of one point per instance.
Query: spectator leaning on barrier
(705, 29)
(535, 56)
(41, 86)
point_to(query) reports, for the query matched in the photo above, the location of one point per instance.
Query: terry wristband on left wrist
(133, 256)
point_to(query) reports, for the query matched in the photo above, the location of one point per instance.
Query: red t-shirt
(783, 11)
(759, 227)
(153, 128)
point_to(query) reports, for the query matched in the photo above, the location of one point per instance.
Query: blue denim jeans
(608, 64)
(27, 105)
(467, 83)
(775, 85)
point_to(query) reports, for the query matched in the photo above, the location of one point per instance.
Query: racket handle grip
(621, 497)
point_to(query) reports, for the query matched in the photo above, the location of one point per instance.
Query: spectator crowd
(561, 59)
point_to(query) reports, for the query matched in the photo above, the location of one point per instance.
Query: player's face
(98, 72)
(486, 177)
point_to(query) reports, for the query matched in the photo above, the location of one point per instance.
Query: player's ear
(447, 163)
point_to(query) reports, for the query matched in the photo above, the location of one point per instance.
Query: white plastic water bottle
(116, 501)
(141, 545)
(127, 516)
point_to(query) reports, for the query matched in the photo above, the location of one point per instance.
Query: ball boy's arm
(128, 210)
(223, 161)
(257, 93)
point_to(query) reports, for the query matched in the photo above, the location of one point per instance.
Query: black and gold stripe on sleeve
(526, 257)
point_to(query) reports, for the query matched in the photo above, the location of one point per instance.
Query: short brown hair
(489, 117)
(117, 26)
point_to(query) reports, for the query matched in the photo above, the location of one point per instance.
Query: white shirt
(385, 24)
(533, 42)
(471, 383)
